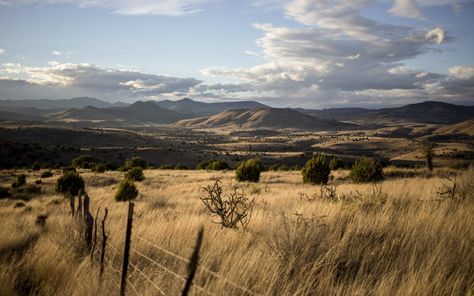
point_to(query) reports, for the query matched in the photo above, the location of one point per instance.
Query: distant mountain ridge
(79, 102)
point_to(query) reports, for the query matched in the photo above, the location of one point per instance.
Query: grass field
(395, 238)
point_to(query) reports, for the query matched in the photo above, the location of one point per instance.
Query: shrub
(100, 168)
(126, 191)
(249, 170)
(20, 181)
(38, 182)
(46, 174)
(366, 170)
(68, 169)
(28, 188)
(4, 192)
(428, 154)
(36, 166)
(135, 174)
(213, 164)
(316, 170)
(135, 162)
(180, 167)
(336, 163)
(84, 162)
(70, 183)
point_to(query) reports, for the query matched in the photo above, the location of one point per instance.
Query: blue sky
(309, 53)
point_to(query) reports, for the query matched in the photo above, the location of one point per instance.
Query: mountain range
(241, 114)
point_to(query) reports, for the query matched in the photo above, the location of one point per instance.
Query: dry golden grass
(397, 238)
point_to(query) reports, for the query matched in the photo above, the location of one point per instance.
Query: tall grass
(396, 239)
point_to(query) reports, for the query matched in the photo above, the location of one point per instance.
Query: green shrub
(4, 192)
(335, 164)
(316, 170)
(249, 170)
(135, 162)
(213, 164)
(366, 170)
(126, 191)
(70, 183)
(28, 188)
(68, 169)
(20, 181)
(84, 162)
(135, 174)
(36, 166)
(100, 168)
(46, 174)
(180, 167)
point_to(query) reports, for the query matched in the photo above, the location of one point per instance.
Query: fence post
(71, 203)
(94, 243)
(126, 250)
(104, 242)
(193, 263)
(79, 204)
(86, 205)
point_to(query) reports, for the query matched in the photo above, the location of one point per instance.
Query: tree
(249, 170)
(428, 154)
(316, 170)
(366, 170)
(126, 191)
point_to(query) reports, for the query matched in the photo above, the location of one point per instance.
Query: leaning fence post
(94, 243)
(193, 263)
(104, 242)
(126, 250)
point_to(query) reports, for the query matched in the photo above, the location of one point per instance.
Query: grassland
(395, 238)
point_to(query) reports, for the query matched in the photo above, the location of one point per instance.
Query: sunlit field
(398, 237)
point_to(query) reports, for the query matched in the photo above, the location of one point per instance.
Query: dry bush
(233, 210)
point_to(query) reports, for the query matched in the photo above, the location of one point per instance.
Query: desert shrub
(249, 170)
(70, 183)
(126, 191)
(46, 174)
(366, 170)
(428, 154)
(274, 167)
(180, 167)
(4, 192)
(135, 162)
(28, 188)
(336, 163)
(234, 209)
(166, 167)
(99, 168)
(84, 162)
(135, 174)
(36, 166)
(20, 181)
(68, 169)
(316, 170)
(110, 166)
(38, 182)
(213, 164)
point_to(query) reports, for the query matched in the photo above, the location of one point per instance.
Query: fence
(108, 256)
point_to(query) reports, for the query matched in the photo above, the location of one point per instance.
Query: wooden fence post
(104, 242)
(193, 263)
(94, 243)
(126, 250)
(79, 204)
(71, 203)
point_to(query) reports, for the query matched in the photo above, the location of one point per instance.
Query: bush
(366, 170)
(28, 188)
(38, 182)
(249, 170)
(20, 181)
(135, 162)
(4, 192)
(180, 167)
(316, 170)
(100, 168)
(336, 163)
(46, 174)
(213, 164)
(70, 183)
(135, 174)
(127, 191)
(68, 169)
(84, 162)
(36, 167)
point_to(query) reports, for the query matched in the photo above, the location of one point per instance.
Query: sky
(284, 53)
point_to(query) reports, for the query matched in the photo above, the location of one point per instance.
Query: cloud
(126, 7)
(2, 51)
(462, 72)
(437, 35)
(406, 8)
(67, 80)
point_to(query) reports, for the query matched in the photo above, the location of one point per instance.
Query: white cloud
(406, 8)
(436, 35)
(2, 51)
(127, 7)
(462, 72)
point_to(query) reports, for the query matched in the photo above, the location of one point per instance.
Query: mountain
(191, 108)
(61, 104)
(136, 113)
(258, 118)
(425, 112)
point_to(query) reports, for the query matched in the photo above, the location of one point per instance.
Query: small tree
(84, 162)
(70, 183)
(135, 174)
(135, 162)
(249, 170)
(366, 170)
(316, 170)
(126, 191)
(336, 163)
(428, 154)
(217, 165)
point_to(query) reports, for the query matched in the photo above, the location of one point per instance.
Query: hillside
(79, 102)
(264, 118)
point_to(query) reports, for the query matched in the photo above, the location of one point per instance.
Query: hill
(190, 108)
(79, 102)
(258, 118)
